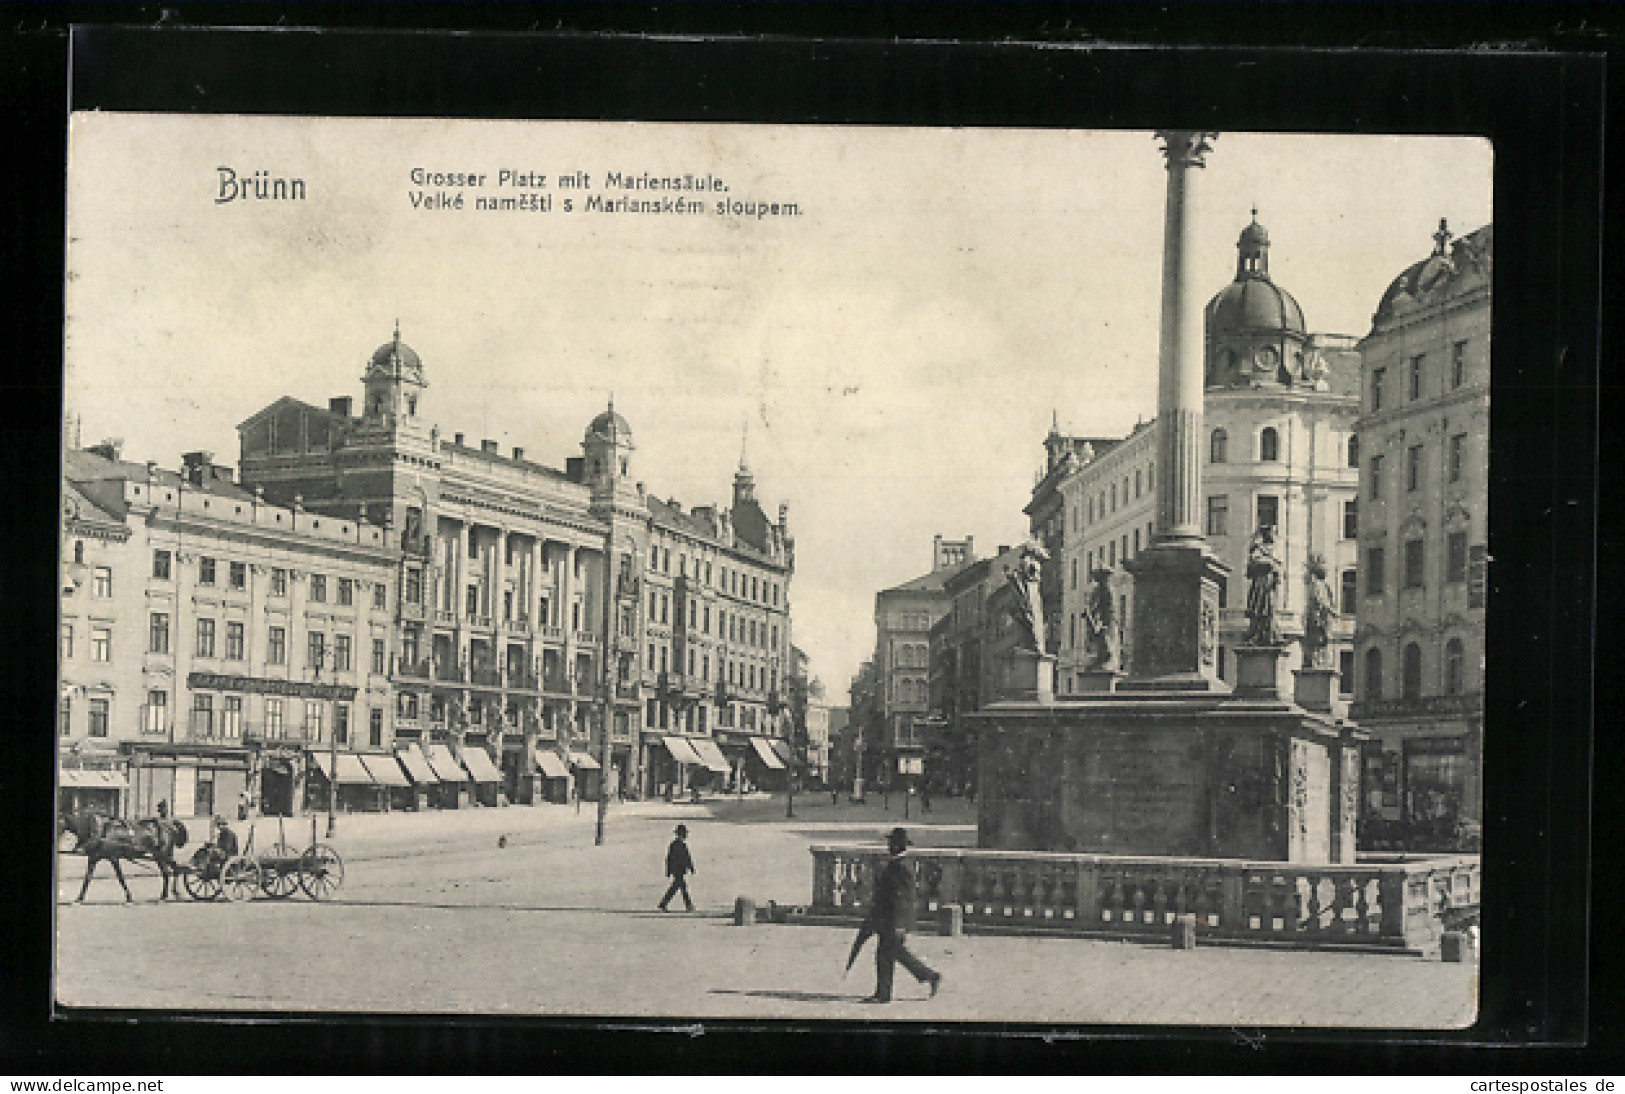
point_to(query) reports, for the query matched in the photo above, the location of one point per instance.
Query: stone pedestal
(1316, 689)
(1258, 671)
(1098, 681)
(1176, 618)
(1026, 676)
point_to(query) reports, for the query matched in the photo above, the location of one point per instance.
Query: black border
(841, 64)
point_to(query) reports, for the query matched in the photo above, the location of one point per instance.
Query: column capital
(1186, 148)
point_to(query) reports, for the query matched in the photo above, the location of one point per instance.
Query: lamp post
(608, 680)
(332, 752)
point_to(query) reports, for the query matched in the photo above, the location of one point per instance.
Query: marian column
(1177, 580)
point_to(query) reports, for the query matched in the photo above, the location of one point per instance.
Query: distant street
(435, 917)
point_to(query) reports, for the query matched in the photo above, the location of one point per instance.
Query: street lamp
(608, 682)
(332, 752)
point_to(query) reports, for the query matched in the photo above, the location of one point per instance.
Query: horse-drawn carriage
(277, 873)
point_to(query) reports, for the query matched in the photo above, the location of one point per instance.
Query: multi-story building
(1279, 413)
(531, 601)
(212, 643)
(904, 616)
(1423, 486)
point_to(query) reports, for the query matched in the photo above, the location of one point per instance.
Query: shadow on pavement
(638, 913)
(792, 996)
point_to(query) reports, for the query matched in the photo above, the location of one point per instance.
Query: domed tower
(607, 447)
(1255, 329)
(393, 387)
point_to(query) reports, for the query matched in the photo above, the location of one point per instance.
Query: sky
(889, 358)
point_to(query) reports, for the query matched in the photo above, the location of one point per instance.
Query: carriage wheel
(240, 878)
(279, 882)
(201, 885)
(321, 871)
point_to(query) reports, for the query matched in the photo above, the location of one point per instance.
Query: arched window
(79, 551)
(1354, 450)
(1269, 445)
(1373, 674)
(1219, 447)
(1453, 658)
(1411, 672)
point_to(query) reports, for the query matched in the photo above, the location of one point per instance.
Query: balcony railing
(154, 721)
(586, 638)
(1396, 903)
(485, 677)
(445, 617)
(553, 634)
(449, 673)
(1420, 706)
(209, 725)
(555, 684)
(258, 731)
(520, 680)
(418, 670)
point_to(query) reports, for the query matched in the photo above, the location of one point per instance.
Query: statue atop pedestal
(1317, 615)
(1027, 608)
(1100, 622)
(1263, 589)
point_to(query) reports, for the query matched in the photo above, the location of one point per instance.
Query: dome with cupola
(1254, 328)
(1455, 266)
(395, 360)
(610, 426)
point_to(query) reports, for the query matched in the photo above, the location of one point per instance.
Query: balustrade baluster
(1116, 900)
(1313, 923)
(1159, 900)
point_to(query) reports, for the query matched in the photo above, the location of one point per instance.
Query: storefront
(425, 783)
(99, 790)
(486, 778)
(394, 790)
(714, 770)
(555, 775)
(764, 766)
(357, 790)
(190, 783)
(587, 775)
(454, 788)
(673, 762)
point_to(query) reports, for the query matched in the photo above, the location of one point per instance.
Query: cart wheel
(321, 871)
(240, 878)
(279, 882)
(200, 884)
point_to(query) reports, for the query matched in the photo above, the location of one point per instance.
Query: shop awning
(445, 765)
(680, 750)
(480, 766)
(416, 766)
(583, 760)
(90, 778)
(782, 748)
(384, 770)
(551, 764)
(350, 773)
(766, 754)
(710, 755)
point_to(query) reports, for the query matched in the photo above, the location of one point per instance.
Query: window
(1269, 511)
(67, 642)
(205, 638)
(160, 565)
(203, 715)
(1458, 445)
(1455, 553)
(1373, 674)
(705, 617)
(1376, 478)
(1136, 482)
(274, 727)
(155, 715)
(1136, 541)
(1269, 445)
(313, 719)
(279, 582)
(316, 650)
(231, 718)
(1351, 518)
(341, 723)
(1218, 515)
(380, 596)
(157, 633)
(1373, 571)
(654, 557)
(64, 716)
(238, 575)
(103, 581)
(341, 653)
(1410, 671)
(346, 592)
(1414, 387)
(1111, 553)
(1074, 573)
(234, 641)
(1354, 451)
(205, 571)
(693, 614)
(318, 588)
(276, 646)
(1415, 554)
(378, 666)
(1413, 467)
(1378, 375)
(101, 645)
(1114, 497)
(1453, 660)
(414, 586)
(1345, 672)
(471, 601)
(98, 717)
(1090, 512)
(507, 603)
(1458, 364)
(79, 552)
(375, 728)
(1218, 447)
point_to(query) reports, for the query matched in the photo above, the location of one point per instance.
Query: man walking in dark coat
(890, 917)
(678, 864)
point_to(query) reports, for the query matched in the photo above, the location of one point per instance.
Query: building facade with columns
(539, 607)
(1423, 441)
(1277, 449)
(213, 644)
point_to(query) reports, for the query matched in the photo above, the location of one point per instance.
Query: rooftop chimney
(518, 453)
(339, 406)
(457, 438)
(108, 449)
(488, 446)
(197, 466)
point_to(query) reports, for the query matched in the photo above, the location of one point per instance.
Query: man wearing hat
(890, 917)
(678, 864)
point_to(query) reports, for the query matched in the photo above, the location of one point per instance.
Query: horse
(100, 837)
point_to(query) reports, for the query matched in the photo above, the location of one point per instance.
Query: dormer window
(412, 405)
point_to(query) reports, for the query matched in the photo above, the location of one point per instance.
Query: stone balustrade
(1391, 902)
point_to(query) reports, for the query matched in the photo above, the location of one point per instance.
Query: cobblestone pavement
(435, 916)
